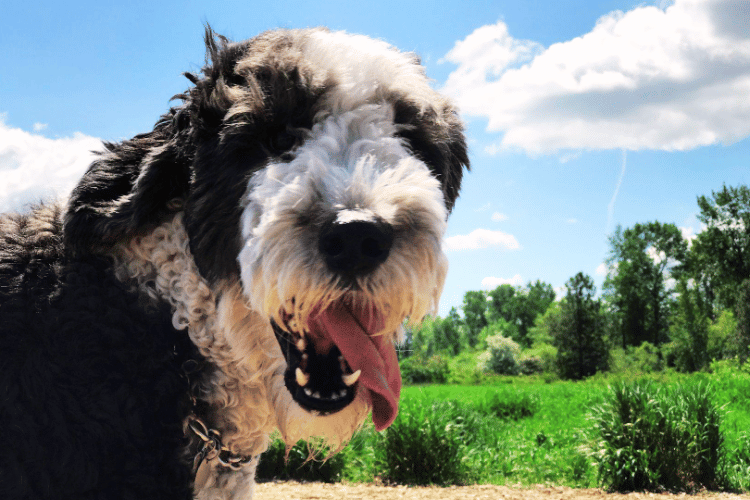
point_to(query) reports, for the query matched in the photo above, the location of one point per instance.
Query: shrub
(420, 370)
(502, 356)
(530, 365)
(510, 405)
(545, 353)
(654, 438)
(305, 462)
(642, 359)
(426, 444)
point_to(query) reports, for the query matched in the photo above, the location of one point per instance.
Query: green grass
(524, 431)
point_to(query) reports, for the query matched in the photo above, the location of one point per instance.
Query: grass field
(524, 431)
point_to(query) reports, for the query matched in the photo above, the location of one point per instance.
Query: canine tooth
(342, 393)
(308, 391)
(351, 378)
(302, 377)
(316, 395)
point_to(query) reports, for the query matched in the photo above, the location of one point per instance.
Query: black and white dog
(244, 267)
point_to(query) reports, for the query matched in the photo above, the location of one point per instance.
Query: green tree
(579, 336)
(720, 254)
(475, 319)
(641, 259)
(520, 306)
(447, 333)
(501, 304)
(688, 350)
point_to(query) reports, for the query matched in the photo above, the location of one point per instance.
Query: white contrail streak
(611, 206)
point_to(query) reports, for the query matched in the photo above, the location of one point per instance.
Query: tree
(579, 336)
(501, 304)
(641, 259)
(720, 254)
(447, 333)
(519, 306)
(688, 350)
(475, 309)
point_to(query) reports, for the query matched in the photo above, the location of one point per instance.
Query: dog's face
(315, 170)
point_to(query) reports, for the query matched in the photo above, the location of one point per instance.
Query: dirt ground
(320, 491)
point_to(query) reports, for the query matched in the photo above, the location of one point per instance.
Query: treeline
(667, 301)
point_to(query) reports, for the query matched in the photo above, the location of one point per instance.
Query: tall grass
(653, 437)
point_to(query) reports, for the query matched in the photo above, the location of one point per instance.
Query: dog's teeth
(350, 379)
(342, 393)
(308, 391)
(316, 395)
(302, 377)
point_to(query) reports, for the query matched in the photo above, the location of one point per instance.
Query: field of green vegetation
(526, 431)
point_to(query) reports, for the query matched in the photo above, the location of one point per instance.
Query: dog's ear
(136, 184)
(132, 187)
(435, 134)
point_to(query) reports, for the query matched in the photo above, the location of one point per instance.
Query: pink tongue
(351, 328)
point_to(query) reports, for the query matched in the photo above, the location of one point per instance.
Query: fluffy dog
(244, 267)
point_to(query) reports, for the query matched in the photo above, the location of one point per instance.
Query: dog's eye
(284, 142)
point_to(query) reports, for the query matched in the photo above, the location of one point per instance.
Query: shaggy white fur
(350, 161)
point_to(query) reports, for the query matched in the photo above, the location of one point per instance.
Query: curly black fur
(92, 397)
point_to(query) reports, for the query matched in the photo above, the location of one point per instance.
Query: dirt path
(320, 491)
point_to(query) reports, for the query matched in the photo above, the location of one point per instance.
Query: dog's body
(244, 267)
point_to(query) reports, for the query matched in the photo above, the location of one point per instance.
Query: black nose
(355, 247)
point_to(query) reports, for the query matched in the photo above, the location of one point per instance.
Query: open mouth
(339, 351)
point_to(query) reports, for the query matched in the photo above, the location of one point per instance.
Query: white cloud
(38, 127)
(688, 233)
(33, 167)
(490, 282)
(482, 238)
(601, 269)
(572, 221)
(498, 217)
(671, 78)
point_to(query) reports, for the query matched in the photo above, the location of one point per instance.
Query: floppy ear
(131, 188)
(137, 184)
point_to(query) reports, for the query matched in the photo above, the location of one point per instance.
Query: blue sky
(581, 115)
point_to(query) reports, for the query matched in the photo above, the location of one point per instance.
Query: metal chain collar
(213, 448)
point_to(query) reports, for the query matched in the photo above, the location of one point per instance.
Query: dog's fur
(191, 260)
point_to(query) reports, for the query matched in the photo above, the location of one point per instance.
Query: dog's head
(316, 170)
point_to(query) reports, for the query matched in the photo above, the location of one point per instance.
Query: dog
(242, 269)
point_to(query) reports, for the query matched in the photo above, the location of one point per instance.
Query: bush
(545, 353)
(502, 356)
(426, 444)
(642, 359)
(305, 462)
(530, 365)
(655, 438)
(420, 370)
(510, 405)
